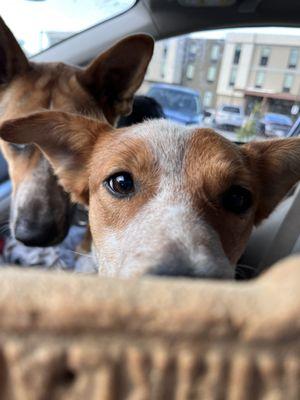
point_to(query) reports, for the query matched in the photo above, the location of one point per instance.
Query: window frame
(211, 68)
(215, 58)
(257, 83)
(233, 76)
(292, 65)
(237, 54)
(287, 88)
(264, 59)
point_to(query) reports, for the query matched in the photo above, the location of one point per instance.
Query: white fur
(166, 231)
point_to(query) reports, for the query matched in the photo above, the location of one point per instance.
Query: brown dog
(163, 198)
(104, 90)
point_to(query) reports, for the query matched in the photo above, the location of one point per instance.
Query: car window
(176, 100)
(277, 118)
(39, 24)
(244, 83)
(229, 109)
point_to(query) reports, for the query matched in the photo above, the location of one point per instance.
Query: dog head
(163, 199)
(40, 208)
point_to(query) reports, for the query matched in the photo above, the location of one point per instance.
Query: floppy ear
(115, 75)
(12, 59)
(67, 141)
(277, 166)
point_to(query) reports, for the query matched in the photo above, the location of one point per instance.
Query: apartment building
(260, 67)
(201, 67)
(167, 61)
(189, 62)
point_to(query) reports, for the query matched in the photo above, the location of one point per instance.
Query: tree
(251, 127)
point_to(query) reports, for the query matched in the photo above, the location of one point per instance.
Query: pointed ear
(67, 141)
(277, 167)
(12, 59)
(115, 75)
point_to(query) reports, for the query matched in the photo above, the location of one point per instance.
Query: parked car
(5, 191)
(295, 129)
(229, 117)
(179, 103)
(5, 184)
(275, 125)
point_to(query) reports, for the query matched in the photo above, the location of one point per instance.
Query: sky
(29, 19)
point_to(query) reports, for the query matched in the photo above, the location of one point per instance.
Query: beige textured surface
(77, 337)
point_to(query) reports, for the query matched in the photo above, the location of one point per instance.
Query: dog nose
(32, 233)
(169, 270)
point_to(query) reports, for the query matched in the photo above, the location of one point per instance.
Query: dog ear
(67, 141)
(277, 167)
(115, 75)
(12, 59)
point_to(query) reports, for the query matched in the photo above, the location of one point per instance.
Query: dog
(163, 199)
(41, 209)
(143, 108)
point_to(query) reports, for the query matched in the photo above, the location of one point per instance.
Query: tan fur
(121, 153)
(209, 174)
(208, 165)
(104, 90)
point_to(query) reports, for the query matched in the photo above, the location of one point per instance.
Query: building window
(193, 48)
(237, 54)
(207, 99)
(259, 79)
(287, 83)
(264, 56)
(211, 73)
(233, 75)
(215, 53)
(293, 60)
(190, 71)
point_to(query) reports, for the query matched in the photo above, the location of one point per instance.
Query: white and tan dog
(163, 199)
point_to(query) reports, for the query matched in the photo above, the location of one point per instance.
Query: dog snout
(179, 263)
(37, 233)
(171, 271)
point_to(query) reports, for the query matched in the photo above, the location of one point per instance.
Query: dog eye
(120, 184)
(237, 199)
(18, 147)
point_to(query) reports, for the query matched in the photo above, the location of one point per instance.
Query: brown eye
(237, 199)
(120, 184)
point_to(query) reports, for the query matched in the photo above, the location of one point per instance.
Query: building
(167, 60)
(190, 62)
(201, 67)
(260, 67)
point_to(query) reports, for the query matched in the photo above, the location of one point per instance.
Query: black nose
(173, 270)
(32, 233)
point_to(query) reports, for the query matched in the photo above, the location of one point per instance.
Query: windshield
(176, 100)
(230, 109)
(39, 24)
(278, 119)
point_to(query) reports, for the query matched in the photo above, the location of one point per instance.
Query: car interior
(279, 235)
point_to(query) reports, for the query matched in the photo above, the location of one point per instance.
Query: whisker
(249, 267)
(4, 229)
(80, 254)
(244, 272)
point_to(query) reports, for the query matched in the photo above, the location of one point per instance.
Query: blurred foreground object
(79, 337)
